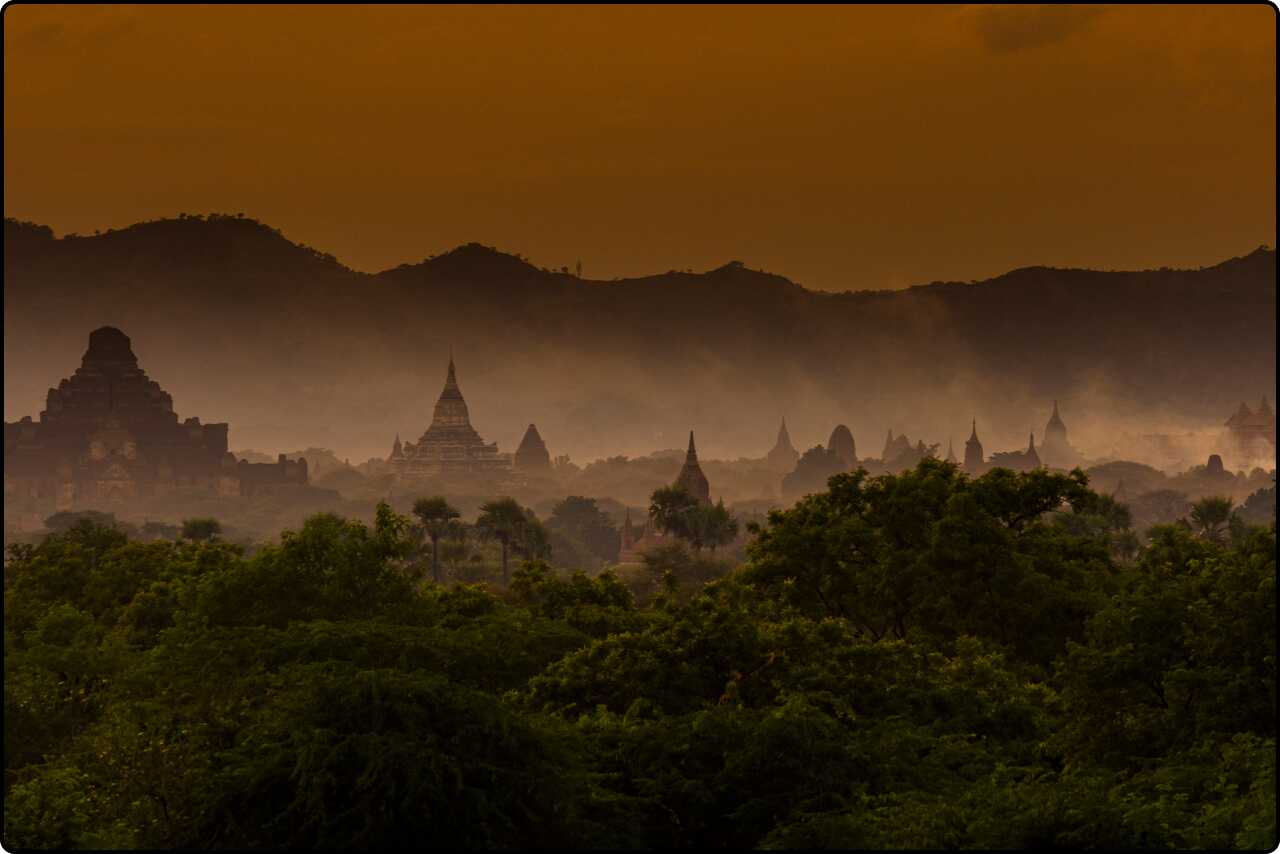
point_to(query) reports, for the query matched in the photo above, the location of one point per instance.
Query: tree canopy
(917, 660)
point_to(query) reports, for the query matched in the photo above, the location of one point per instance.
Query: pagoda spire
(691, 476)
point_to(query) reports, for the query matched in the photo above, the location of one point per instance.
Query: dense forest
(910, 660)
(293, 348)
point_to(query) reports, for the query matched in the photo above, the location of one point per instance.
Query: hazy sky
(841, 147)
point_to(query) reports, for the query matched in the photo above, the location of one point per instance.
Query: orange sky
(842, 147)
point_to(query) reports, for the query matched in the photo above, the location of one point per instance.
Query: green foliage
(201, 530)
(515, 527)
(438, 518)
(919, 660)
(581, 520)
(674, 511)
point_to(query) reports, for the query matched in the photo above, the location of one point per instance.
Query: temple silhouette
(450, 446)
(108, 433)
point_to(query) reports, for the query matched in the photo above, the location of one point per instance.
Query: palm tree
(437, 516)
(1210, 515)
(502, 520)
(671, 508)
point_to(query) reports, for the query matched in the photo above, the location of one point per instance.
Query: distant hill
(295, 349)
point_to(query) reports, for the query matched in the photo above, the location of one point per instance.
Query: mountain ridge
(28, 232)
(293, 348)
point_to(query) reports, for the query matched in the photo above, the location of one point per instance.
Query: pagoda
(691, 476)
(973, 456)
(532, 457)
(449, 445)
(784, 456)
(1056, 450)
(841, 443)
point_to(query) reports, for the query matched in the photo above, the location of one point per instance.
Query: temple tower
(784, 456)
(973, 457)
(691, 476)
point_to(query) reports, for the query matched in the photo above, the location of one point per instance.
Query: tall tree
(582, 519)
(711, 526)
(1210, 515)
(436, 516)
(671, 508)
(503, 520)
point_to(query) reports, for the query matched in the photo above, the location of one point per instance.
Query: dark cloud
(1004, 29)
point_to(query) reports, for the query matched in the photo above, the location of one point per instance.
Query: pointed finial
(693, 452)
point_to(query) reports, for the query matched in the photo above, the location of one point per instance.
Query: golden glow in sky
(842, 147)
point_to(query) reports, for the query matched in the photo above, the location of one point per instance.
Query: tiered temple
(109, 433)
(450, 446)
(1253, 430)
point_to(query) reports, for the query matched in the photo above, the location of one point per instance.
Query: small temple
(449, 445)
(783, 457)
(1017, 460)
(532, 457)
(1055, 450)
(636, 541)
(842, 445)
(691, 476)
(974, 462)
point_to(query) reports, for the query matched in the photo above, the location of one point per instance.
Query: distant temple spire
(951, 452)
(784, 456)
(397, 450)
(973, 455)
(691, 476)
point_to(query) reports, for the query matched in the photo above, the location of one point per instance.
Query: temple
(1055, 450)
(532, 457)
(783, 457)
(1253, 431)
(842, 445)
(637, 541)
(450, 445)
(109, 433)
(691, 476)
(974, 463)
(1017, 460)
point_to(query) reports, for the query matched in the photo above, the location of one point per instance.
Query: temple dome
(841, 442)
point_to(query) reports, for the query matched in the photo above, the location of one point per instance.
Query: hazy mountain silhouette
(293, 348)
